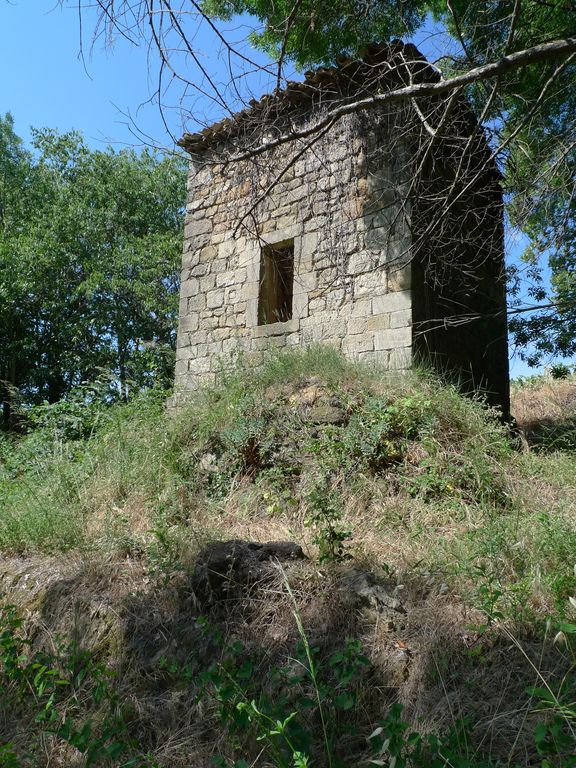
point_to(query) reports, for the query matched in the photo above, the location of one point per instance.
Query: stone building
(381, 233)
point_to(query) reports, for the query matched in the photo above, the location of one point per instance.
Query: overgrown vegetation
(90, 244)
(399, 476)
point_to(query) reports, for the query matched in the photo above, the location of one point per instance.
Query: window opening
(276, 283)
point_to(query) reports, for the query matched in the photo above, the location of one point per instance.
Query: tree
(515, 61)
(15, 169)
(89, 257)
(533, 114)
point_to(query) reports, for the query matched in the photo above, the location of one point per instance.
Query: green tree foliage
(534, 112)
(89, 254)
(311, 32)
(530, 112)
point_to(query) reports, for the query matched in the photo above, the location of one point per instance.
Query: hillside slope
(435, 551)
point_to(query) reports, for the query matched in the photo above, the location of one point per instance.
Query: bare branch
(538, 53)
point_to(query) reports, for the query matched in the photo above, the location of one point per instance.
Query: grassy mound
(347, 460)
(399, 477)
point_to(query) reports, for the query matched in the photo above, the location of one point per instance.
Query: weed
(325, 518)
(302, 702)
(67, 695)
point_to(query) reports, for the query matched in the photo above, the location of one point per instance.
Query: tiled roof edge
(298, 93)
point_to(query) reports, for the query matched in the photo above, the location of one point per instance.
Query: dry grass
(544, 399)
(475, 531)
(545, 410)
(429, 658)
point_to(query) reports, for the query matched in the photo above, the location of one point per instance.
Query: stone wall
(343, 206)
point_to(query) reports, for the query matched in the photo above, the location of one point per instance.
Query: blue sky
(47, 83)
(54, 77)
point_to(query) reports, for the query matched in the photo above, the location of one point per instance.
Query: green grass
(410, 480)
(412, 462)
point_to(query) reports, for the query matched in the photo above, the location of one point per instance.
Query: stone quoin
(380, 234)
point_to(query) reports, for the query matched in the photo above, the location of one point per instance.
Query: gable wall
(341, 204)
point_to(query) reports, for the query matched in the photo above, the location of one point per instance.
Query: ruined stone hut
(380, 234)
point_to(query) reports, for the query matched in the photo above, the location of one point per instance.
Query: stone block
(294, 339)
(392, 338)
(379, 357)
(215, 298)
(361, 308)
(219, 266)
(358, 262)
(370, 283)
(379, 322)
(214, 347)
(181, 366)
(276, 329)
(246, 256)
(229, 346)
(190, 257)
(253, 272)
(263, 343)
(357, 325)
(182, 340)
(231, 277)
(300, 305)
(400, 358)
(192, 381)
(307, 335)
(338, 151)
(196, 303)
(208, 323)
(401, 319)
(226, 248)
(400, 279)
(305, 281)
(353, 345)
(195, 204)
(250, 290)
(309, 244)
(199, 270)
(335, 298)
(207, 282)
(188, 323)
(295, 194)
(399, 251)
(336, 329)
(197, 228)
(317, 305)
(252, 313)
(200, 365)
(198, 350)
(239, 309)
(200, 337)
(189, 287)
(203, 175)
(231, 295)
(391, 302)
